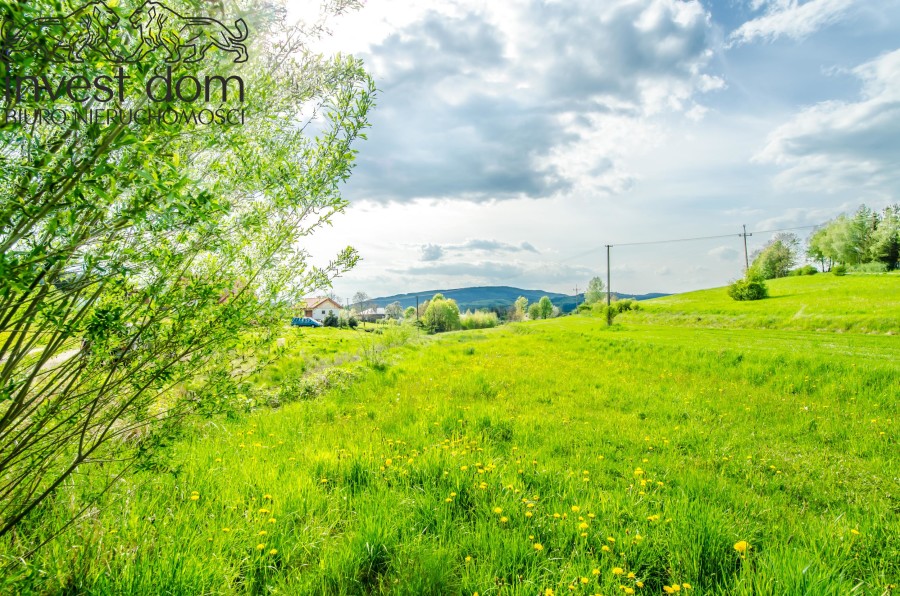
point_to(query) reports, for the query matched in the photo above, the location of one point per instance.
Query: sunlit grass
(557, 455)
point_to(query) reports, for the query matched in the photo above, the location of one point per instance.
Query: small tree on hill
(595, 291)
(546, 307)
(519, 310)
(441, 315)
(394, 310)
(777, 258)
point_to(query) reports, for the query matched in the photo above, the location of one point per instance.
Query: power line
(695, 238)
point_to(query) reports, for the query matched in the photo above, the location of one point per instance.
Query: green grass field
(699, 446)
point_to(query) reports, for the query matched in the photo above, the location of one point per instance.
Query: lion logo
(153, 26)
(66, 38)
(184, 38)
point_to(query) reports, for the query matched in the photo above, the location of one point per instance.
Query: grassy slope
(787, 440)
(858, 303)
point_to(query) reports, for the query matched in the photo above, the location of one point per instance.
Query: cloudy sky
(514, 138)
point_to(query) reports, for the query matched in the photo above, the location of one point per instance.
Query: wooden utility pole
(608, 289)
(746, 256)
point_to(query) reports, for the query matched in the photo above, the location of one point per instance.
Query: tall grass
(479, 319)
(558, 455)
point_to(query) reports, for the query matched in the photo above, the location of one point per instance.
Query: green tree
(143, 265)
(777, 258)
(441, 315)
(409, 313)
(595, 291)
(545, 307)
(519, 310)
(394, 310)
(534, 311)
(886, 239)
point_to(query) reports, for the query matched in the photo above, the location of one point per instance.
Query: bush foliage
(748, 289)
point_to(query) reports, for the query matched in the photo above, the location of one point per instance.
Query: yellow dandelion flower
(585, 580)
(273, 552)
(854, 531)
(668, 590)
(549, 592)
(595, 572)
(604, 548)
(452, 494)
(556, 515)
(272, 520)
(610, 539)
(264, 510)
(618, 571)
(741, 546)
(267, 497)
(498, 510)
(639, 584)
(629, 590)
(226, 530)
(468, 559)
(195, 497)
(260, 546)
(538, 546)
(261, 533)
(630, 575)
(463, 468)
(686, 586)
(676, 588)
(448, 500)
(575, 508)
(528, 514)
(504, 519)
(583, 526)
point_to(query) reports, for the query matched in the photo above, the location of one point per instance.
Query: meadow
(697, 446)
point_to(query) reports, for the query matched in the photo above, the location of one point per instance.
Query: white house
(319, 308)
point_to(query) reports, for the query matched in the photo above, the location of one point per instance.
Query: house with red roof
(320, 307)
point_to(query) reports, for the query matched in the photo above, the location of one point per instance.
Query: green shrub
(839, 270)
(584, 307)
(873, 267)
(331, 320)
(805, 270)
(748, 289)
(479, 320)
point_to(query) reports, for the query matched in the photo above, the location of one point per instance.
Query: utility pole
(746, 257)
(576, 297)
(608, 289)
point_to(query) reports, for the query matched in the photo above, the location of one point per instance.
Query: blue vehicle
(304, 322)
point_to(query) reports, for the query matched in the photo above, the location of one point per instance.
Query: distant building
(371, 315)
(319, 308)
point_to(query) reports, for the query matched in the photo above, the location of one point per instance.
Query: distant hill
(496, 297)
